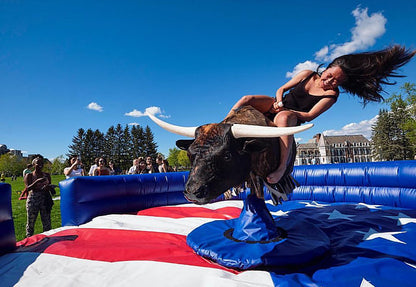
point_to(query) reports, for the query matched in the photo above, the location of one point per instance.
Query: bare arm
(38, 182)
(291, 83)
(68, 171)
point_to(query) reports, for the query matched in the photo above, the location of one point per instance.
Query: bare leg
(259, 102)
(283, 119)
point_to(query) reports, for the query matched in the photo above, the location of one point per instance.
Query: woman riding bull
(312, 93)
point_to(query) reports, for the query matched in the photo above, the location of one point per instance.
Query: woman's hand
(276, 108)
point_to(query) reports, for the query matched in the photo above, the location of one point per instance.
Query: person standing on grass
(39, 200)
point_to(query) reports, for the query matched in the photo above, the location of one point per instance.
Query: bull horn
(251, 131)
(183, 131)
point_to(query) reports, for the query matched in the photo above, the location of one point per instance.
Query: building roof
(307, 146)
(342, 139)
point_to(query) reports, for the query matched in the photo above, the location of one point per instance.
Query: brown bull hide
(220, 161)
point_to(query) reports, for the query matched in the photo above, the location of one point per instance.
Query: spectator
(142, 168)
(38, 184)
(113, 169)
(133, 168)
(93, 167)
(159, 162)
(166, 166)
(75, 169)
(149, 165)
(102, 168)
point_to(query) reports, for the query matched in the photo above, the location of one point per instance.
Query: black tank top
(299, 100)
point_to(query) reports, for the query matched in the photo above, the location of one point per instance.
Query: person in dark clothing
(311, 93)
(151, 168)
(39, 200)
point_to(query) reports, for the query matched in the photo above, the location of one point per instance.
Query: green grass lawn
(19, 207)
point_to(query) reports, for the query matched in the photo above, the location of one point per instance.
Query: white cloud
(150, 110)
(307, 65)
(321, 54)
(363, 35)
(95, 107)
(135, 113)
(361, 128)
(134, 124)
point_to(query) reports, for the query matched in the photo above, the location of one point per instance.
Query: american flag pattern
(371, 245)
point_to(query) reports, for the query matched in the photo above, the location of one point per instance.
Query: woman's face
(142, 165)
(38, 163)
(101, 161)
(331, 78)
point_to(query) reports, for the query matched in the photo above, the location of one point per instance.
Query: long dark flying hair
(367, 72)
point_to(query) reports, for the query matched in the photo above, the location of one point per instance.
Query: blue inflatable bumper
(7, 235)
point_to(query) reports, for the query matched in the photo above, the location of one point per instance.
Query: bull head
(220, 154)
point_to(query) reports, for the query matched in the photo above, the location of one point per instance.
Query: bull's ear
(255, 145)
(184, 144)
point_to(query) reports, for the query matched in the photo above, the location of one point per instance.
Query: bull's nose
(196, 194)
(202, 192)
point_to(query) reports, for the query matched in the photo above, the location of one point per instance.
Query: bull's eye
(227, 156)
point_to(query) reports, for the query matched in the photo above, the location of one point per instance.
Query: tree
(77, 146)
(125, 147)
(381, 137)
(183, 159)
(89, 150)
(410, 124)
(98, 145)
(137, 141)
(58, 165)
(119, 145)
(392, 133)
(110, 148)
(11, 165)
(150, 147)
(173, 156)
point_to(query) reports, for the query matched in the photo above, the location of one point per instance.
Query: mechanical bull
(243, 147)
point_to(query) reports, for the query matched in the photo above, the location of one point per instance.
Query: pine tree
(88, 152)
(110, 144)
(150, 147)
(381, 136)
(392, 134)
(119, 145)
(410, 125)
(77, 146)
(98, 144)
(125, 148)
(137, 140)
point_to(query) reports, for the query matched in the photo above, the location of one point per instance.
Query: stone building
(334, 149)
(3, 149)
(15, 152)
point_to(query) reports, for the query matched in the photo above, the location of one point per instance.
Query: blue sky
(66, 65)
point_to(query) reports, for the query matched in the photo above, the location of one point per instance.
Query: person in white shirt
(75, 169)
(93, 167)
(133, 168)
